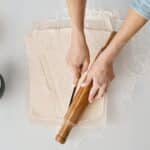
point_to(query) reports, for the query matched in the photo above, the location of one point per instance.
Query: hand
(101, 74)
(78, 55)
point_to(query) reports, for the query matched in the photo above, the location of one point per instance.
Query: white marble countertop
(128, 124)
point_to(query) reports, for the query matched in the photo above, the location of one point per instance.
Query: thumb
(87, 80)
(85, 66)
(76, 74)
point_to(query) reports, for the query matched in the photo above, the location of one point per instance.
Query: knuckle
(111, 77)
(98, 83)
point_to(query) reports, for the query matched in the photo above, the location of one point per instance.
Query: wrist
(78, 35)
(110, 52)
(106, 58)
(78, 30)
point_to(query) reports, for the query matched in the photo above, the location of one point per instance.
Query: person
(101, 72)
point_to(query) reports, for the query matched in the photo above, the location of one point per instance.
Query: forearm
(133, 23)
(76, 12)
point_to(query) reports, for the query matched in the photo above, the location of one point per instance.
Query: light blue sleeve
(142, 7)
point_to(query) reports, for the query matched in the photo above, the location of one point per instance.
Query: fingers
(101, 91)
(97, 91)
(87, 80)
(76, 71)
(85, 66)
(94, 90)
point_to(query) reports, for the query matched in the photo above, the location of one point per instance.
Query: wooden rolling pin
(79, 104)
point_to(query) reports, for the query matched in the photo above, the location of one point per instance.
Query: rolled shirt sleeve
(142, 7)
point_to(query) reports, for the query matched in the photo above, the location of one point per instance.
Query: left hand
(101, 74)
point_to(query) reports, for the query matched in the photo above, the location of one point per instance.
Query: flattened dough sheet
(50, 80)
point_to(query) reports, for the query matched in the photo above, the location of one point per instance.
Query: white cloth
(50, 85)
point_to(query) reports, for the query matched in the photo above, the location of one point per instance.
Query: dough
(50, 80)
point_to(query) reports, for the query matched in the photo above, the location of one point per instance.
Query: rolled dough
(50, 80)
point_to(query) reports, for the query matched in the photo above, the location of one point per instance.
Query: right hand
(78, 55)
